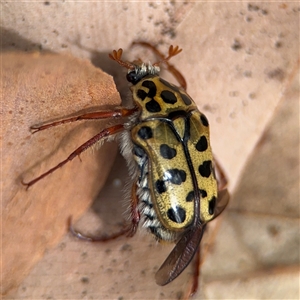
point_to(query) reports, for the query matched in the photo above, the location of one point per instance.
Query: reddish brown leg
(102, 134)
(176, 73)
(196, 264)
(135, 213)
(104, 238)
(117, 113)
(128, 230)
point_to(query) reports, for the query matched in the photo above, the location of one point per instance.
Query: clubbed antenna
(172, 52)
(116, 56)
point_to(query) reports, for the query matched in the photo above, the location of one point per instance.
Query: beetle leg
(117, 113)
(95, 139)
(103, 238)
(129, 231)
(172, 52)
(196, 264)
(135, 213)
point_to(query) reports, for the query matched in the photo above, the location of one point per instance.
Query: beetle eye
(133, 77)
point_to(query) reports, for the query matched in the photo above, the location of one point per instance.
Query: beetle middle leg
(95, 139)
(196, 265)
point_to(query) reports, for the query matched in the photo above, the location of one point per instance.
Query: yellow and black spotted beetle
(165, 140)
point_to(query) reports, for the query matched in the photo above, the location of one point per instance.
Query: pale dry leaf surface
(261, 225)
(37, 88)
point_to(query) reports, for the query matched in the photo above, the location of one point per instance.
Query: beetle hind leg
(103, 238)
(128, 230)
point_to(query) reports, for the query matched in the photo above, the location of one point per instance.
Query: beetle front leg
(98, 115)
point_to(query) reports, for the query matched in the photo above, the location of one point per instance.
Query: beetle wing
(180, 256)
(187, 246)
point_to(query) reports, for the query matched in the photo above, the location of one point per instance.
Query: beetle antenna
(172, 52)
(116, 56)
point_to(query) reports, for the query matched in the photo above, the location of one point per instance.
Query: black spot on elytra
(176, 214)
(138, 151)
(204, 120)
(167, 152)
(202, 144)
(176, 176)
(145, 133)
(168, 97)
(141, 94)
(153, 106)
(169, 85)
(214, 173)
(212, 205)
(191, 195)
(160, 186)
(151, 86)
(203, 193)
(186, 99)
(205, 168)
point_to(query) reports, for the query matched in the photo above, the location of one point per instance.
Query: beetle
(165, 140)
